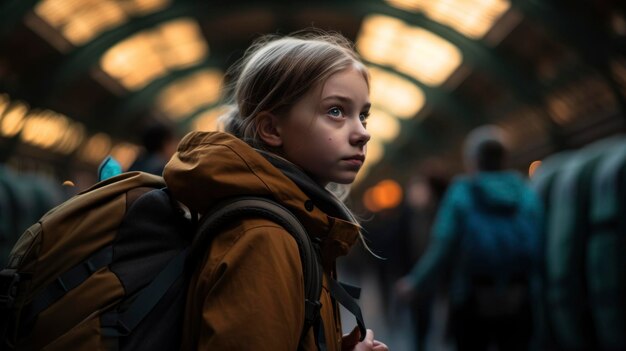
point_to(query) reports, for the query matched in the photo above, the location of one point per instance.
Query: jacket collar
(342, 228)
(210, 167)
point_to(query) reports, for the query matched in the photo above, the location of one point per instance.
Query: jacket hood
(499, 190)
(209, 167)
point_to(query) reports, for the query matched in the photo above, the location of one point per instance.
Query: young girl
(297, 125)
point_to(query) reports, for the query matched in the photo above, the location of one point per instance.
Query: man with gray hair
(486, 238)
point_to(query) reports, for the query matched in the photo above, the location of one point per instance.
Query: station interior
(81, 80)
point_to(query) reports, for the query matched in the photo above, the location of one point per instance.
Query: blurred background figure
(159, 142)
(417, 213)
(486, 233)
(24, 198)
(584, 268)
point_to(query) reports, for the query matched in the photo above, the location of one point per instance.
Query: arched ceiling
(552, 73)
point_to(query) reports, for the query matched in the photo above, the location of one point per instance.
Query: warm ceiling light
(13, 119)
(71, 139)
(57, 12)
(148, 55)
(82, 20)
(187, 95)
(185, 45)
(208, 120)
(125, 154)
(383, 126)
(427, 57)
(50, 130)
(100, 17)
(395, 94)
(41, 129)
(413, 51)
(96, 148)
(472, 18)
(378, 36)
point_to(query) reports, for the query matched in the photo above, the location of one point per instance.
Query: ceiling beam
(82, 59)
(123, 114)
(11, 14)
(85, 57)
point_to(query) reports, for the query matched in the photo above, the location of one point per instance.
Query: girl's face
(324, 132)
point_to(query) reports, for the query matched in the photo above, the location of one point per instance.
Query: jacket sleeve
(445, 236)
(253, 293)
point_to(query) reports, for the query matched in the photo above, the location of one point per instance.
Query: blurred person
(24, 197)
(486, 232)
(159, 142)
(423, 195)
(384, 237)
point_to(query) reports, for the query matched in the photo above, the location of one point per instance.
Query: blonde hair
(276, 72)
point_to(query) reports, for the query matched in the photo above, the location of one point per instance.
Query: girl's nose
(360, 136)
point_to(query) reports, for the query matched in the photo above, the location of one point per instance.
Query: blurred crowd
(519, 263)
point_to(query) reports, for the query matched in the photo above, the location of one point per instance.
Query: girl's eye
(363, 117)
(335, 112)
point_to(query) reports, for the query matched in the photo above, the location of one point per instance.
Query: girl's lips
(356, 157)
(353, 161)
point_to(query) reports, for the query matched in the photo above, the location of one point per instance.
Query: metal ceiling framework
(565, 22)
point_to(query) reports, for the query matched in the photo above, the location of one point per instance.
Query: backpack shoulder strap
(240, 207)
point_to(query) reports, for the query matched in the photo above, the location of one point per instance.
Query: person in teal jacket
(486, 240)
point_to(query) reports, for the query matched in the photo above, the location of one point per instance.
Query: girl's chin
(345, 180)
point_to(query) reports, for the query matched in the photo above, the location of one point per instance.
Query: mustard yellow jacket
(249, 292)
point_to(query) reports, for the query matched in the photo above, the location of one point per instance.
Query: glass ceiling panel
(411, 50)
(187, 95)
(472, 18)
(394, 94)
(79, 21)
(97, 147)
(50, 130)
(153, 53)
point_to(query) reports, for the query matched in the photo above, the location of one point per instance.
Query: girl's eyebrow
(344, 99)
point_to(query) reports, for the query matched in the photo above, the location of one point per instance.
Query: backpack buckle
(9, 280)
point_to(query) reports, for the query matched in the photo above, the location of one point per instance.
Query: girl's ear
(268, 129)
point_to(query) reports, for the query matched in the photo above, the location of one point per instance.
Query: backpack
(497, 246)
(109, 268)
